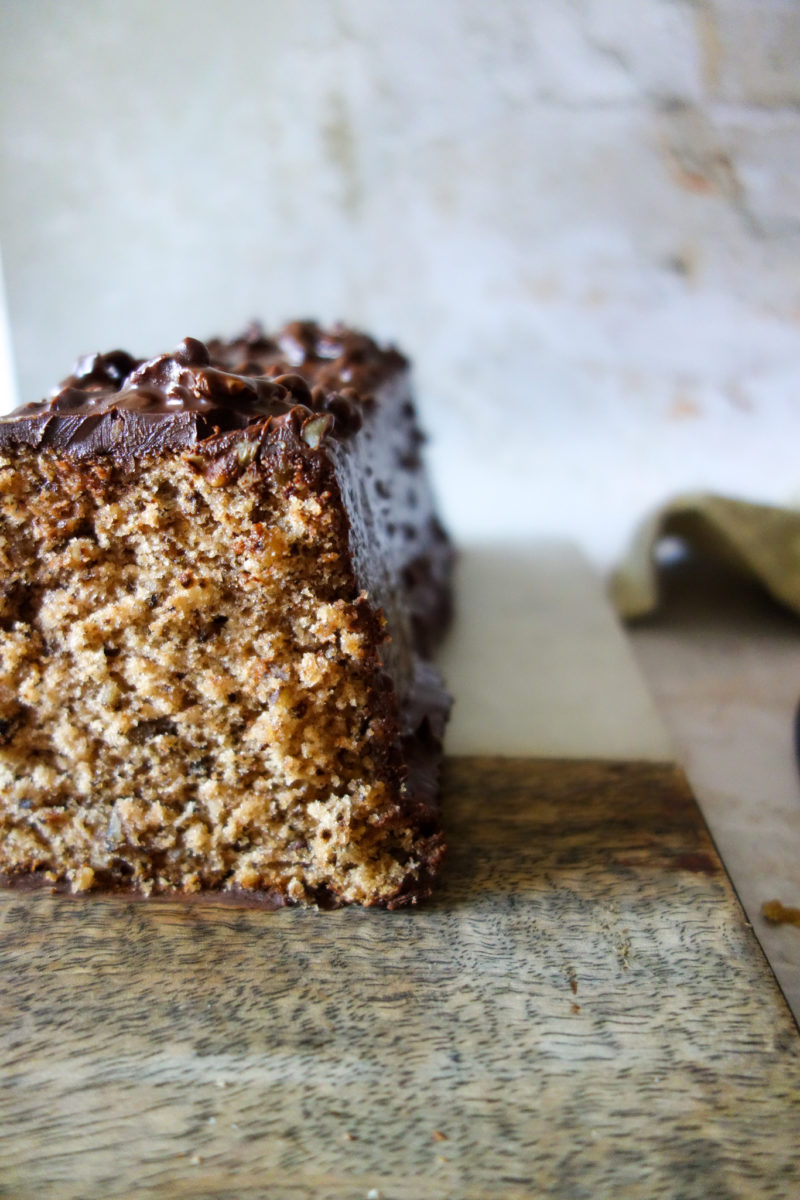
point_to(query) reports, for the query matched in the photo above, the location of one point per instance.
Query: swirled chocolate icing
(336, 359)
(116, 404)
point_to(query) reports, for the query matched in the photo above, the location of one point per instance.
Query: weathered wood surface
(581, 1012)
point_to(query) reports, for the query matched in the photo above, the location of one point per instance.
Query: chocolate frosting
(335, 359)
(116, 404)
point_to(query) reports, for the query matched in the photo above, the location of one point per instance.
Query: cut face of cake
(221, 577)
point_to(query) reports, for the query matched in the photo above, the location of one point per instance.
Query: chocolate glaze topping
(335, 359)
(113, 403)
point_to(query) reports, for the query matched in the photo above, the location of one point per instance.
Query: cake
(222, 580)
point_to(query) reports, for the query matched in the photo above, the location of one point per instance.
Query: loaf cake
(222, 579)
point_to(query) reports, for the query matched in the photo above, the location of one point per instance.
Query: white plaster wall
(581, 218)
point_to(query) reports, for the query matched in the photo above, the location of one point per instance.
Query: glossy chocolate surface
(116, 404)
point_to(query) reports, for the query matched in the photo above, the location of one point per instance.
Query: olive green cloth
(758, 539)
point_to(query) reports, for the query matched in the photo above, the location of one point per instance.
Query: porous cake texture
(221, 577)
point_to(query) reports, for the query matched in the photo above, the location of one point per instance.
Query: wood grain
(582, 1011)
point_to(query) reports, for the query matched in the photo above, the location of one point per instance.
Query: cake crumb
(780, 914)
(82, 880)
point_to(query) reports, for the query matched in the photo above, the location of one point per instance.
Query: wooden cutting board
(581, 1011)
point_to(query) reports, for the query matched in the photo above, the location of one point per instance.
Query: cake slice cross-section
(221, 580)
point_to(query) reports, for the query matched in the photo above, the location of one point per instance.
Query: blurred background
(581, 218)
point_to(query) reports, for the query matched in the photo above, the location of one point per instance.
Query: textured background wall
(581, 217)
